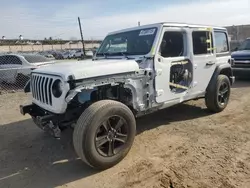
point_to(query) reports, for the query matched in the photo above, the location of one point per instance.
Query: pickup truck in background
(241, 56)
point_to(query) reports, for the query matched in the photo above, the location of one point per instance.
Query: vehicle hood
(89, 69)
(241, 54)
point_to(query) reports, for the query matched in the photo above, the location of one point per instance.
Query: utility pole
(80, 27)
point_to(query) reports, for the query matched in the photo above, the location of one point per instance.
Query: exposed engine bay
(181, 76)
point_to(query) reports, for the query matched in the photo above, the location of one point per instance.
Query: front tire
(104, 134)
(217, 96)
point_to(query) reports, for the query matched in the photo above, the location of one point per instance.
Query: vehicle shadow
(31, 158)
(178, 113)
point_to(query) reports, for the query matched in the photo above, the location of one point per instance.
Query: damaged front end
(44, 120)
(50, 122)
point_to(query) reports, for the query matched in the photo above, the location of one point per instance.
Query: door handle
(210, 63)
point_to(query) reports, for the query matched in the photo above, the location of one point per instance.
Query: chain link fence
(13, 79)
(15, 70)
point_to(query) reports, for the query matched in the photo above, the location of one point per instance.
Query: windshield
(245, 45)
(136, 42)
(36, 58)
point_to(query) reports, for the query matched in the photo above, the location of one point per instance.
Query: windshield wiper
(103, 54)
(124, 54)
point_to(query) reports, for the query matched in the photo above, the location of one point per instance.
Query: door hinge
(159, 93)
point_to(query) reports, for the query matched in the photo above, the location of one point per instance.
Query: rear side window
(36, 58)
(12, 60)
(221, 42)
(2, 60)
(202, 42)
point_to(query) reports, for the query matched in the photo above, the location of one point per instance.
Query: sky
(37, 19)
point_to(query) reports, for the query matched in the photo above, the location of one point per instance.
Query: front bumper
(41, 115)
(27, 109)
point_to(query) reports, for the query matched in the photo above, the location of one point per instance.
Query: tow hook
(48, 126)
(54, 130)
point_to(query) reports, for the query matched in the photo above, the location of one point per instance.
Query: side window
(13, 60)
(172, 44)
(2, 60)
(221, 42)
(202, 42)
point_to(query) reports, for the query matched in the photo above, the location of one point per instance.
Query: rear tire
(217, 96)
(104, 134)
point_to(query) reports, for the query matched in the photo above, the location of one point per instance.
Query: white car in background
(74, 54)
(68, 54)
(79, 53)
(16, 68)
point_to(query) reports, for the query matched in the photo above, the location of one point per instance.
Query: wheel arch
(224, 69)
(119, 92)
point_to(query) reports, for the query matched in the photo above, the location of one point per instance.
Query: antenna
(80, 27)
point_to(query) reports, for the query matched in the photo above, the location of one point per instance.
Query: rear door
(204, 58)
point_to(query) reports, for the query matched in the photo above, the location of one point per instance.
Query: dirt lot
(183, 146)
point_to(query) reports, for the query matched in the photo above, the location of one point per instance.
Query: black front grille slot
(46, 90)
(50, 90)
(39, 88)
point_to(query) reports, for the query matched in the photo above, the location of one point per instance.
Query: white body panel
(41, 94)
(204, 66)
(88, 68)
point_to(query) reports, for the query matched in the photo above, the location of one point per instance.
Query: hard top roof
(169, 24)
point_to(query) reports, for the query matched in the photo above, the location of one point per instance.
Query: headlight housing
(57, 88)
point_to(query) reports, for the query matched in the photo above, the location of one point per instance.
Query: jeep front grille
(41, 87)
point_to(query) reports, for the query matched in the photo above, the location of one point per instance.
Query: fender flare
(225, 69)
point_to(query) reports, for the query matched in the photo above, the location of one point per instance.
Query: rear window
(36, 58)
(221, 42)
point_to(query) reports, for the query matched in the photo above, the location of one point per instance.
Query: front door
(173, 65)
(204, 58)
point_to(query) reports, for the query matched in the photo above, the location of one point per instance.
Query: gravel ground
(183, 146)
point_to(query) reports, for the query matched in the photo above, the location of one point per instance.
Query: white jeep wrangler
(135, 72)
